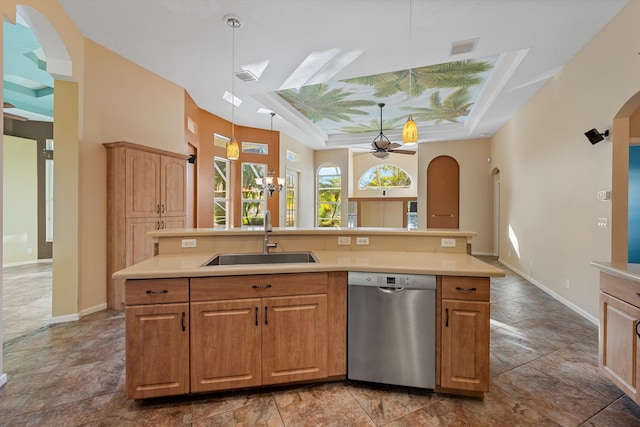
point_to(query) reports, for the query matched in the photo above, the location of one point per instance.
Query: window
(292, 156)
(220, 193)
(383, 176)
(253, 198)
(291, 216)
(255, 148)
(220, 141)
(329, 197)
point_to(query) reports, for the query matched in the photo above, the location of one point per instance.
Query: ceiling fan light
(381, 154)
(410, 132)
(233, 149)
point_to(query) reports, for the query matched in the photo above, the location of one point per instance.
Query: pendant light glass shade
(410, 132)
(233, 149)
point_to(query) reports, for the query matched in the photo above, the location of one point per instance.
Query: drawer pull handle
(446, 322)
(164, 291)
(637, 333)
(261, 286)
(183, 327)
(458, 288)
(266, 320)
(256, 316)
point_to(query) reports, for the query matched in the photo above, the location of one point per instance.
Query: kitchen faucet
(267, 230)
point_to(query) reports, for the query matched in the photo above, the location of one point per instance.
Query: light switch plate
(603, 222)
(362, 240)
(344, 240)
(448, 243)
(189, 243)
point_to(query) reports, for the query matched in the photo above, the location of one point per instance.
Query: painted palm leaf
(317, 102)
(455, 105)
(372, 126)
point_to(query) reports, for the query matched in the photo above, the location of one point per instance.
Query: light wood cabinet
(146, 191)
(157, 338)
(619, 339)
(267, 329)
(463, 334)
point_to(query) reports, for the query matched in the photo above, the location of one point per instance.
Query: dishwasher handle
(391, 289)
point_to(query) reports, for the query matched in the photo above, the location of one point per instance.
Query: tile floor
(543, 368)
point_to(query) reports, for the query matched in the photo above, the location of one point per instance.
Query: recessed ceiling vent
(246, 76)
(463, 46)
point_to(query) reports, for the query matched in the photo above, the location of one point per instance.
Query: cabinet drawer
(623, 289)
(466, 288)
(156, 291)
(232, 287)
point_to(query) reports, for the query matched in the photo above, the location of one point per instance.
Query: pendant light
(410, 129)
(233, 149)
(270, 183)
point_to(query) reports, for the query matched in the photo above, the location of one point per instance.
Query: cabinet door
(465, 345)
(157, 350)
(142, 184)
(294, 338)
(173, 187)
(225, 344)
(140, 246)
(619, 343)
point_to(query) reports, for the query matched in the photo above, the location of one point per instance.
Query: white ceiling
(189, 43)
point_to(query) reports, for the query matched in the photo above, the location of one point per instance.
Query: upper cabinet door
(173, 200)
(142, 184)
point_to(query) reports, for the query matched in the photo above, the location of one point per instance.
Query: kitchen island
(193, 328)
(619, 325)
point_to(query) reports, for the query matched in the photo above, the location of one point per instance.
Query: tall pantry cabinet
(146, 191)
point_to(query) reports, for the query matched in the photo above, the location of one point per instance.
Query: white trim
(563, 300)
(64, 319)
(482, 254)
(93, 309)
(3, 379)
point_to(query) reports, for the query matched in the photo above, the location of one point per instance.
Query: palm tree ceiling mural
(434, 95)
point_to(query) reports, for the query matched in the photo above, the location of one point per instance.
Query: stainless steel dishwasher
(392, 329)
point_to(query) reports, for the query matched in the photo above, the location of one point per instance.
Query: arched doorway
(443, 193)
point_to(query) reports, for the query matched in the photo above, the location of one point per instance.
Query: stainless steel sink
(262, 258)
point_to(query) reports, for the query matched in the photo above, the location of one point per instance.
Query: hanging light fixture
(270, 183)
(410, 129)
(233, 149)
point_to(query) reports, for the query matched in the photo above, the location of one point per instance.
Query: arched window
(329, 184)
(384, 176)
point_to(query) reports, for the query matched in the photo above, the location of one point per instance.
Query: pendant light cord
(233, 82)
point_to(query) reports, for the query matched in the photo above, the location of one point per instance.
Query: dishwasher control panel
(397, 280)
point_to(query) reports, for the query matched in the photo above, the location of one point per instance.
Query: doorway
(443, 193)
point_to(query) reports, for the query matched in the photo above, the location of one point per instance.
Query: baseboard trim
(483, 254)
(560, 298)
(3, 379)
(94, 309)
(31, 261)
(64, 319)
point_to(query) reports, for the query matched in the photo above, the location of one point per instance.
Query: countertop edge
(622, 270)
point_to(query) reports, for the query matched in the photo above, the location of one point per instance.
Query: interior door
(443, 193)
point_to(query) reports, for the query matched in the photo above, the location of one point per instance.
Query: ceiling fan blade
(402, 152)
(393, 145)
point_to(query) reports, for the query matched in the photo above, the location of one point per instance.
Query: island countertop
(191, 265)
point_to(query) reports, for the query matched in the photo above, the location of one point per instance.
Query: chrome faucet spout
(267, 229)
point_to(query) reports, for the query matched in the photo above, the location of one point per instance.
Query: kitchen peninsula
(193, 328)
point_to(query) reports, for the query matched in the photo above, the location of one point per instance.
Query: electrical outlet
(344, 240)
(448, 243)
(189, 243)
(567, 284)
(362, 240)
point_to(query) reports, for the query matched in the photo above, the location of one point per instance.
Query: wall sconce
(594, 136)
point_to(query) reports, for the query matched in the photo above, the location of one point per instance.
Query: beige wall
(20, 199)
(550, 173)
(476, 187)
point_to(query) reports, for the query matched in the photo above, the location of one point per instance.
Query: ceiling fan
(382, 146)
